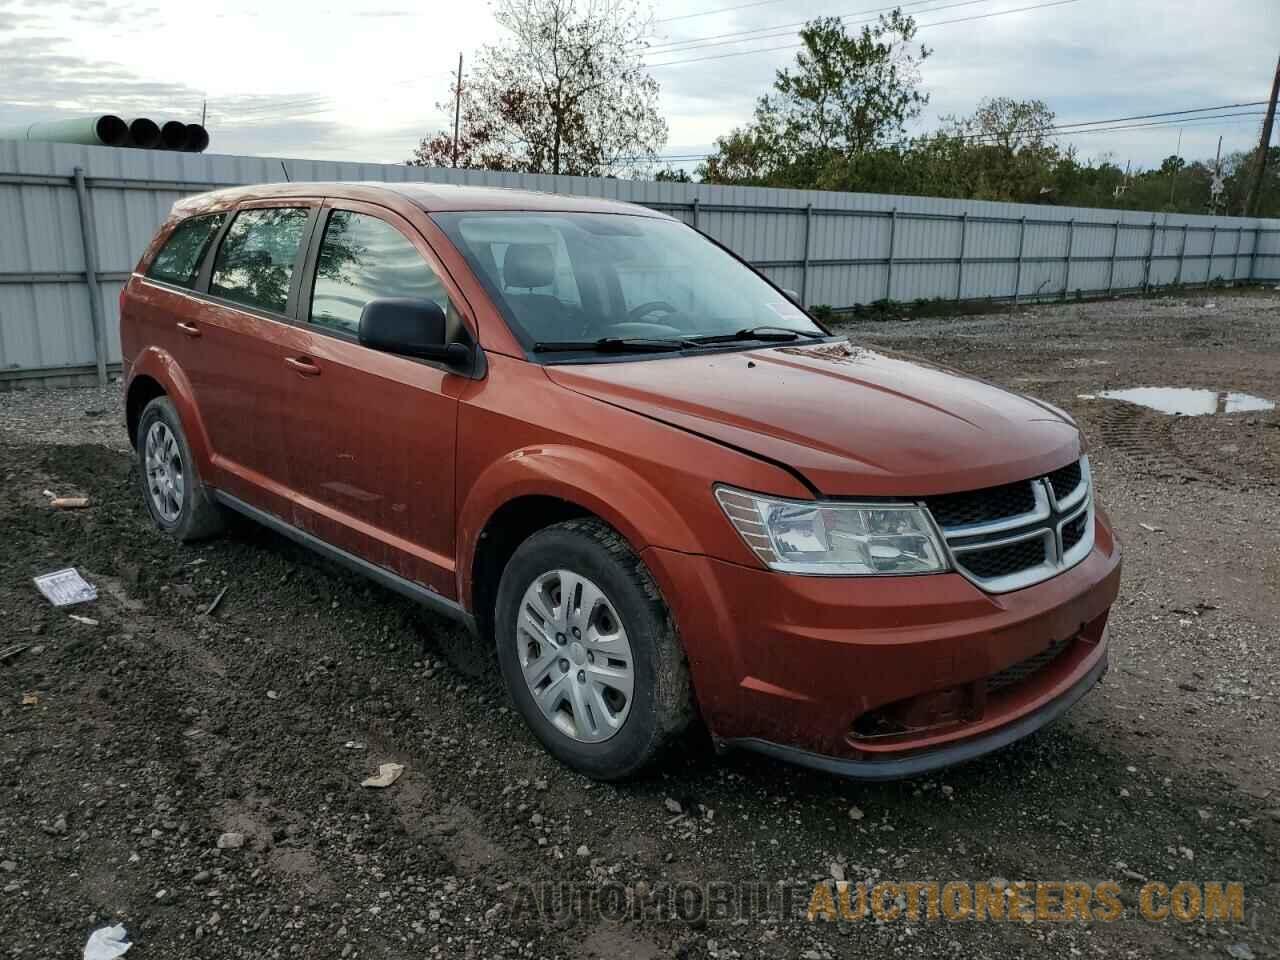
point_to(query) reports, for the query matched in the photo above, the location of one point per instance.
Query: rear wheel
(589, 651)
(176, 498)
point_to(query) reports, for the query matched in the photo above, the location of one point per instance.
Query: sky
(362, 81)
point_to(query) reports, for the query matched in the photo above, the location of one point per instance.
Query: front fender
(589, 479)
(160, 366)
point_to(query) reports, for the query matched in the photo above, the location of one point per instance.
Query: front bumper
(796, 666)
(948, 756)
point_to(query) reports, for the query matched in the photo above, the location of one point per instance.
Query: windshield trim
(445, 221)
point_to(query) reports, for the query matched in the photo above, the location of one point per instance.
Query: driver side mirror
(410, 327)
(793, 296)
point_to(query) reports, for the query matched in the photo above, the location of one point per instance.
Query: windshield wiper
(767, 333)
(609, 345)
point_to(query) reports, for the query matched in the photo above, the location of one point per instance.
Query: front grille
(982, 506)
(1025, 668)
(1066, 480)
(978, 525)
(1003, 561)
(1073, 531)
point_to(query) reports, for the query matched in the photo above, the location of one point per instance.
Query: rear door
(371, 436)
(241, 340)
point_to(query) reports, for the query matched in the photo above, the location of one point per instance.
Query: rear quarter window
(178, 261)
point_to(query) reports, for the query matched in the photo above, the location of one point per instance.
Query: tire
(177, 499)
(610, 740)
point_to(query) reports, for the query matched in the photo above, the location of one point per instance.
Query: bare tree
(566, 92)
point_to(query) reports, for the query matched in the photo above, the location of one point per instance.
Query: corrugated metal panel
(44, 312)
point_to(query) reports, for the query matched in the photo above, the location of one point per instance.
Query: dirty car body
(630, 462)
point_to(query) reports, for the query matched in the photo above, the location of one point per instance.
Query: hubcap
(166, 479)
(575, 656)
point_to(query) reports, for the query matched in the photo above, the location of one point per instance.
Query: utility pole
(204, 111)
(1260, 167)
(457, 109)
(1173, 180)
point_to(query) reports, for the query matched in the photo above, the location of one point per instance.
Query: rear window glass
(255, 261)
(179, 259)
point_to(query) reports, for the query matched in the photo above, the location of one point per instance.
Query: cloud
(361, 83)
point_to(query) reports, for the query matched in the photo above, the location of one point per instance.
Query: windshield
(570, 280)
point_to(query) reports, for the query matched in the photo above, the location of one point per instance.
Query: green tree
(566, 91)
(846, 96)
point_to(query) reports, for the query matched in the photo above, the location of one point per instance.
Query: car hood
(851, 421)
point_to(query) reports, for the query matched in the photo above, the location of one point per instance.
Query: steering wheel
(650, 307)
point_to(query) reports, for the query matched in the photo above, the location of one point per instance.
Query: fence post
(964, 230)
(1071, 239)
(1235, 256)
(1213, 245)
(804, 269)
(89, 241)
(1182, 252)
(1017, 277)
(1253, 250)
(1151, 249)
(695, 214)
(893, 230)
(1115, 246)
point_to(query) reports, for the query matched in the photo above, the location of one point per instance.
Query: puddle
(1185, 401)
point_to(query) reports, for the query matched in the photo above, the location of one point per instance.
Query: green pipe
(103, 130)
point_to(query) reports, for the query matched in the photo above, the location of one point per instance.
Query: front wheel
(589, 651)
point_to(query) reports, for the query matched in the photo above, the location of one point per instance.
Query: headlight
(835, 539)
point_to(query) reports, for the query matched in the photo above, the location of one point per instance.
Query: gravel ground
(196, 775)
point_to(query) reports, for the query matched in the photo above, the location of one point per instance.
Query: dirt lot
(130, 746)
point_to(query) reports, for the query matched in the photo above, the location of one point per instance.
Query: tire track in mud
(1149, 441)
(1145, 439)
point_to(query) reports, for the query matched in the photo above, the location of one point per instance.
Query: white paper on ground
(62, 588)
(388, 773)
(107, 943)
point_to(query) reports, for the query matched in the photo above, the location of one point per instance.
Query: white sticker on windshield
(786, 309)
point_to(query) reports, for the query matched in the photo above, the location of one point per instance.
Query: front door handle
(189, 328)
(303, 365)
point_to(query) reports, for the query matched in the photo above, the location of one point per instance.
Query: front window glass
(361, 258)
(562, 277)
(255, 261)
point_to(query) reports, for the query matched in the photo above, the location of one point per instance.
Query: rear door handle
(303, 365)
(189, 328)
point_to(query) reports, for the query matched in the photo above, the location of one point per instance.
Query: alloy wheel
(166, 478)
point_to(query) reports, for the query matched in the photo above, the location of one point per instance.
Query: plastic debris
(62, 588)
(87, 621)
(107, 943)
(208, 611)
(388, 773)
(30, 699)
(8, 653)
(69, 503)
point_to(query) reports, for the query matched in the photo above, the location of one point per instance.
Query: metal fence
(74, 219)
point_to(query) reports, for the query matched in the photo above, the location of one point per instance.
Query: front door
(371, 435)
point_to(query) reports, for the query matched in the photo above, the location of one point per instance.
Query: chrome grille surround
(1043, 523)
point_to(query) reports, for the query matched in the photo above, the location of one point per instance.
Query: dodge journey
(664, 493)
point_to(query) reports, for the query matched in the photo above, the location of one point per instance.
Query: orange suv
(632, 463)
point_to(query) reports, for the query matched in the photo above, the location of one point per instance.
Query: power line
(707, 13)
(920, 26)
(695, 43)
(1063, 131)
(1078, 127)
